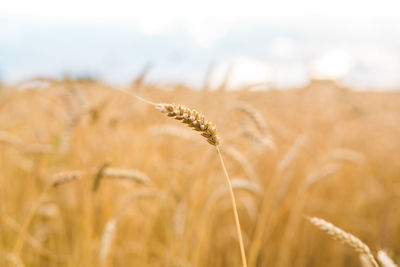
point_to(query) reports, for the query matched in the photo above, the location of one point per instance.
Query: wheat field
(91, 176)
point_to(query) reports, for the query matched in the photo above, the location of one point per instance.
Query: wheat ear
(255, 116)
(193, 119)
(385, 260)
(66, 177)
(344, 237)
(129, 174)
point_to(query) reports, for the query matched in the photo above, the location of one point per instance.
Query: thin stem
(136, 96)
(239, 232)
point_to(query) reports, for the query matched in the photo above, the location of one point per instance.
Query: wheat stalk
(344, 237)
(211, 203)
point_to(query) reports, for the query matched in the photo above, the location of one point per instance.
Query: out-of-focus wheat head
(344, 237)
(385, 260)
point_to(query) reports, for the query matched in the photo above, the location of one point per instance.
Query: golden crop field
(91, 176)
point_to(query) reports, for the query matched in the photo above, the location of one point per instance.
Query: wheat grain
(344, 237)
(193, 119)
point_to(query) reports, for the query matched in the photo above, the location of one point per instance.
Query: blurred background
(280, 44)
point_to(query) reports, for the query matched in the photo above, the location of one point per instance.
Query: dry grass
(332, 153)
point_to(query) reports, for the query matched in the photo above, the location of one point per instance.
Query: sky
(278, 42)
(206, 20)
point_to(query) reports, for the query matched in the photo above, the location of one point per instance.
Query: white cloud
(333, 64)
(281, 47)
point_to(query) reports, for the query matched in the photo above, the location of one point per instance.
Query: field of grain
(91, 176)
